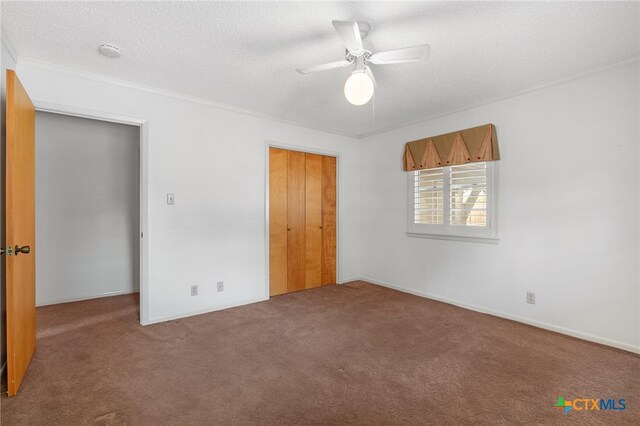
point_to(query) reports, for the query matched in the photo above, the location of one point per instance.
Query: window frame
(446, 231)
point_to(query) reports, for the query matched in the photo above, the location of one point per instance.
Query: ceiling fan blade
(401, 56)
(350, 34)
(323, 67)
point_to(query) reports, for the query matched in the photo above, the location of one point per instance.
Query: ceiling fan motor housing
(365, 29)
(366, 56)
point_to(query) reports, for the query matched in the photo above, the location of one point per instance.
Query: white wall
(87, 208)
(568, 207)
(214, 161)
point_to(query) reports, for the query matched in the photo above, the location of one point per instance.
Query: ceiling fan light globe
(359, 88)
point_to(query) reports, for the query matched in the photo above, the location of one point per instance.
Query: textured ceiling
(245, 54)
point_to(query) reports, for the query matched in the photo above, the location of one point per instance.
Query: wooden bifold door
(302, 221)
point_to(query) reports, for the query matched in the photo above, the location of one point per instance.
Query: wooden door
(278, 172)
(328, 220)
(302, 221)
(313, 220)
(20, 232)
(296, 255)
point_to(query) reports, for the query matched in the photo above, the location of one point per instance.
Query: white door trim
(272, 144)
(144, 182)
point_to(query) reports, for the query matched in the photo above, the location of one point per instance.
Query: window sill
(449, 237)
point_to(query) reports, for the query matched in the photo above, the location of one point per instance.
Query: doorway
(19, 238)
(143, 142)
(87, 208)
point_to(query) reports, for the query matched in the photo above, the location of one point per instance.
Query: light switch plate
(531, 298)
(171, 199)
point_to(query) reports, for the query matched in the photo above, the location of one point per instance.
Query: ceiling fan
(360, 85)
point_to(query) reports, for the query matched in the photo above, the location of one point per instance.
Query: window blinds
(456, 195)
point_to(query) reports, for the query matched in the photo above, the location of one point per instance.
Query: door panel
(328, 220)
(20, 231)
(296, 207)
(313, 223)
(278, 164)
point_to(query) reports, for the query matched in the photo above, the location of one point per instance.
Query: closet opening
(302, 220)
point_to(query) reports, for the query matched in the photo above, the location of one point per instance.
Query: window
(454, 201)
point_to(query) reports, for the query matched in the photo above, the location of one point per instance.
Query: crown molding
(61, 69)
(7, 42)
(582, 74)
(188, 98)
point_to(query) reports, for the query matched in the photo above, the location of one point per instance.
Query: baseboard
(206, 310)
(87, 297)
(539, 324)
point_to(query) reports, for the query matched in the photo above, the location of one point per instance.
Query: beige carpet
(350, 354)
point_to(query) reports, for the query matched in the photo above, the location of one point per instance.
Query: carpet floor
(349, 354)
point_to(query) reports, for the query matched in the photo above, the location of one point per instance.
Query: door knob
(23, 249)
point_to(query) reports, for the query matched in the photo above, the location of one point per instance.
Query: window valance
(464, 146)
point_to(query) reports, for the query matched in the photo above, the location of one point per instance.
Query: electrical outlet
(220, 285)
(194, 290)
(531, 298)
(171, 199)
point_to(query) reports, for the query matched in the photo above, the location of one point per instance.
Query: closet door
(328, 220)
(296, 252)
(278, 166)
(302, 221)
(313, 220)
